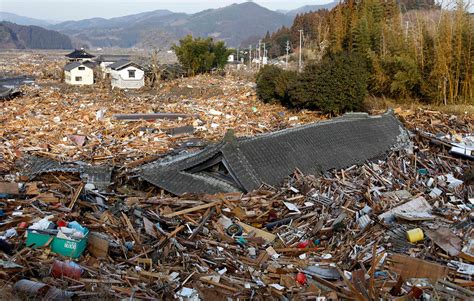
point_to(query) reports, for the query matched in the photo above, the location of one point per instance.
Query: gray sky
(81, 9)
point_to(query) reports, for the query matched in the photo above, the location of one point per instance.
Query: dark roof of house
(73, 65)
(112, 57)
(244, 164)
(79, 54)
(119, 65)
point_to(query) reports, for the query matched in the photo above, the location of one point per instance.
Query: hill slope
(161, 28)
(20, 20)
(14, 36)
(308, 8)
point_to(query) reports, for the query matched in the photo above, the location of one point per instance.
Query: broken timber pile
(397, 227)
(341, 235)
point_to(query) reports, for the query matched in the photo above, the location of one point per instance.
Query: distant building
(79, 55)
(126, 74)
(106, 60)
(79, 73)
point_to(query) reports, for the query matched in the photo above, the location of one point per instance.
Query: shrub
(273, 84)
(201, 55)
(338, 84)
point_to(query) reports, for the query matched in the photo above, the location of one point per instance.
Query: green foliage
(201, 55)
(411, 52)
(404, 76)
(273, 84)
(338, 84)
(362, 36)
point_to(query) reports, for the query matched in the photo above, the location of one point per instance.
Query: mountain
(308, 8)
(161, 28)
(14, 36)
(98, 23)
(13, 18)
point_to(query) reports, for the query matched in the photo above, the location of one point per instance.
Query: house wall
(87, 76)
(80, 60)
(121, 80)
(104, 67)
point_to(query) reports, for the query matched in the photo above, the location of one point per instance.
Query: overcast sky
(80, 9)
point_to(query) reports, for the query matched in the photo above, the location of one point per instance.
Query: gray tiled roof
(122, 64)
(79, 54)
(73, 65)
(269, 158)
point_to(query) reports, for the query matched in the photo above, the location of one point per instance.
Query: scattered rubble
(77, 223)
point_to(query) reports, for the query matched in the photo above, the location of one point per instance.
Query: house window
(78, 78)
(131, 73)
(82, 68)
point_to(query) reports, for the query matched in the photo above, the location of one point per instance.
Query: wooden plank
(150, 116)
(269, 237)
(230, 288)
(77, 193)
(189, 210)
(9, 188)
(132, 231)
(446, 240)
(409, 267)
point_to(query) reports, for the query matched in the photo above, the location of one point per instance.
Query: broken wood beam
(150, 116)
(189, 210)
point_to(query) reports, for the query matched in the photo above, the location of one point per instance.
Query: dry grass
(377, 104)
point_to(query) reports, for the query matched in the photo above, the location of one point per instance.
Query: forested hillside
(31, 37)
(413, 49)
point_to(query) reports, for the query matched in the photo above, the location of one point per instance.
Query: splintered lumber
(77, 193)
(208, 281)
(151, 116)
(202, 223)
(189, 210)
(269, 237)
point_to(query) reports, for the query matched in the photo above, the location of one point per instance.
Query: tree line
(409, 49)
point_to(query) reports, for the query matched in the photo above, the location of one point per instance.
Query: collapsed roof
(10, 86)
(244, 164)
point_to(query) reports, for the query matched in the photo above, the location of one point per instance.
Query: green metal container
(69, 247)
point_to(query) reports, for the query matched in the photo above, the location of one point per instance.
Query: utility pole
(250, 56)
(238, 50)
(287, 51)
(301, 45)
(259, 53)
(264, 54)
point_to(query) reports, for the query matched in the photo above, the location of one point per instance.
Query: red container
(22, 225)
(65, 269)
(303, 244)
(301, 278)
(61, 223)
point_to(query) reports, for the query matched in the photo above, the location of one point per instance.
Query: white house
(105, 60)
(127, 75)
(79, 73)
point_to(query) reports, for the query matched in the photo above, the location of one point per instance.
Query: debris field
(77, 221)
